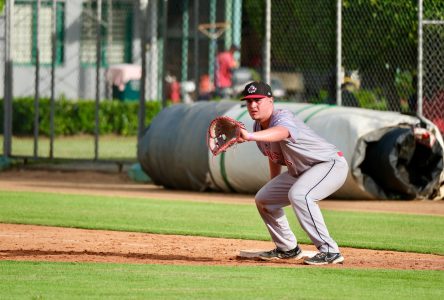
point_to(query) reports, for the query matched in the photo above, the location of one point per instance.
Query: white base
(254, 253)
(309, 254)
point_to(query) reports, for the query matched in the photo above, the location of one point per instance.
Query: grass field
(45, 280)
(79, 147)
(38, 280)
(413, 233)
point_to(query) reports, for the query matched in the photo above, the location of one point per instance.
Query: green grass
(412, 233)
(44, 280)
(41, 280)
(80, 147)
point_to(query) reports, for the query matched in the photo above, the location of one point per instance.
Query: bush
(78, 117)
(372, 99)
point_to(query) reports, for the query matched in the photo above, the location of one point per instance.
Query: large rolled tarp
(387, 159)
(173, 151)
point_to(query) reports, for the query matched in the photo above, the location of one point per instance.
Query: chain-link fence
(127, 50)
(353, 53)
(377, 41)
(303, 47)
(66, 51)
(432, 63)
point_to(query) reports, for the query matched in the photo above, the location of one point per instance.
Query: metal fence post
(420, 59)
(37, 82)
(237, 26)
(339, 52)
(267, 54)
(212, 46)
(228, 34)
(196, 48)
(143, 15)
(98, 64)
(8, 93)
(185, 41)
(164, 47)
(53, 63)
(153, 51)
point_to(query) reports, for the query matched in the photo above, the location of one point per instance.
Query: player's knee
(261, 197)
(297, 197)
(261, 206)
(259, 200)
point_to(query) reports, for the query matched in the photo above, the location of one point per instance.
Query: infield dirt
(43, 243)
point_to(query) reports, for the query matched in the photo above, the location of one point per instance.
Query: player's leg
(270, 201)
(313, 185)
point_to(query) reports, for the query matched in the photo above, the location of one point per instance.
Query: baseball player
(316, 169)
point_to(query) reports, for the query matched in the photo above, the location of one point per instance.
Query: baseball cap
(256, 89)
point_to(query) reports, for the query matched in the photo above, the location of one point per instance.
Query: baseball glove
(223, 133)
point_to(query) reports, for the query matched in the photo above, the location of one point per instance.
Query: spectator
(225, 63)
(206, 88)
(173, 89)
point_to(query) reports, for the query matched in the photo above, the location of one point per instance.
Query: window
(116, 33)
(24, 41)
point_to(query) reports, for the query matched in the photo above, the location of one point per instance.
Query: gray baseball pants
(302, 193)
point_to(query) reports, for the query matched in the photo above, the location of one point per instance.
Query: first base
(251, 253)
(254, 253)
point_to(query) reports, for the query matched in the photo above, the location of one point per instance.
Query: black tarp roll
(173, 150)
(387, 157)
(400, 166)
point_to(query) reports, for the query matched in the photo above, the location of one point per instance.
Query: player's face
(260, 109)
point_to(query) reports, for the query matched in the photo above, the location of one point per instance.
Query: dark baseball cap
(256, 89)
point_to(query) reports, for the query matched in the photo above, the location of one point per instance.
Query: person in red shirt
(206, 87)
(225, 63)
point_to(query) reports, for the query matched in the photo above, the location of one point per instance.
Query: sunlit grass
(44, 280)
(383, 231)
(78, 146)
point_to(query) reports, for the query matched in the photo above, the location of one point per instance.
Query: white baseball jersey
(303, 149)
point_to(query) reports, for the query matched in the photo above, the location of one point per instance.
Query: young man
(316, 169)
(225, 64)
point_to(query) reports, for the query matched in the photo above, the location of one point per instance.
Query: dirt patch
(41, 243)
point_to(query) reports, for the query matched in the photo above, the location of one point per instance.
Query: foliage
(78, 117)
(256, 12)
(372, 99)
(405, 84)
(320, 98)
(390, 27)
(378, 38)
(297, 33)
(312, 35)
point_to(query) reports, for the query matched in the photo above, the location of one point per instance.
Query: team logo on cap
(252, 89)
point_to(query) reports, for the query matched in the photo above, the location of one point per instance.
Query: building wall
(73, 80)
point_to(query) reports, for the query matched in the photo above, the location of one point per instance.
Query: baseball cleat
(324, 258)
(274, 254)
